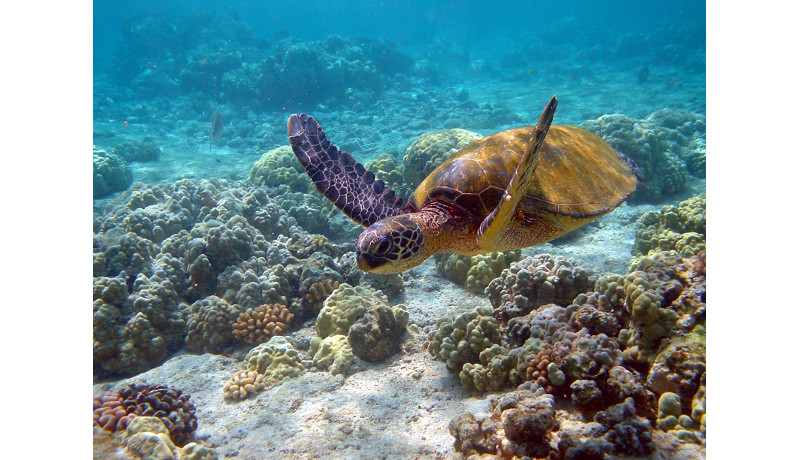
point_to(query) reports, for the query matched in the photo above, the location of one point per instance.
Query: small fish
(644, 74)
(216, 128)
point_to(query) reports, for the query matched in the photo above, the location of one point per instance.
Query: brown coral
(109, 413)
(317, 293)
(243, 384)
(257, 325)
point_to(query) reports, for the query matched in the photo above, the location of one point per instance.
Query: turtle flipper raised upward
(338, 176)
(495, 226)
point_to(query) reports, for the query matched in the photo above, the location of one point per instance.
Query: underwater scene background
(229, 317)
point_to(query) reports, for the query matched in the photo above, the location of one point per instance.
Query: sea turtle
(510, 190)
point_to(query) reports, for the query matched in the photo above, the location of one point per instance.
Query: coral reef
(169, 405)
(344, 306)
(278, 167)
(209, 323)
(110, 173)
(388, 169)
(149, 438)
(132, 151)
(431, 149)
(538, 280)
(376, 335)
(243, 384)
(521, 424)
(134, 334)
(461, 339)
(475, 272)
(681, 228)
(109, 413)
(332, 353)
(660, 147)
(276, 359)
(257, 325)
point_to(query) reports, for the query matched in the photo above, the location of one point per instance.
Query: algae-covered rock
(376, 335)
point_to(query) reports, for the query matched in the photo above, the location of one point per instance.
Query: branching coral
(257, 325)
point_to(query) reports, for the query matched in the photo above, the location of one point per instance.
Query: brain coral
(111, 173)
(682, 228)
(431, 149)
(538, 280)
(257, 325)
(277, 167)
(209, 325)
(647, 143)
(276, 360)
(475, 272)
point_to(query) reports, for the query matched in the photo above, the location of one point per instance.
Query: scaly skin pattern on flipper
(338, 176)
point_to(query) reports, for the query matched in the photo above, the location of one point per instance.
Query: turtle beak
(368, 262)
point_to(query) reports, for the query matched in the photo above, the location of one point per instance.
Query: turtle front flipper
(494, 226)
(338, 176)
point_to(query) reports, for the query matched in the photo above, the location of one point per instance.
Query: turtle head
(391, 245)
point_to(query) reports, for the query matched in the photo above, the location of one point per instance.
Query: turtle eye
(382, 247)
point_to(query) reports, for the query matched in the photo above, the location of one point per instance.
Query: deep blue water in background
(377, 74)
(477, 26)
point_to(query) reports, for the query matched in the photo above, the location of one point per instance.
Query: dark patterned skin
(338, 176)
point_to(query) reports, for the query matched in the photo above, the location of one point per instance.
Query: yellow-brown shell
(578, 174)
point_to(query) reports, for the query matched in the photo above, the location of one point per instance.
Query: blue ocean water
(200, 217)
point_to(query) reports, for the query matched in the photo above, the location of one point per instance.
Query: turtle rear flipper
(497, 224)
(337, 175)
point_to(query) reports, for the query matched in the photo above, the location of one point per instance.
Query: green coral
(376, 335)
(461, 339)
(111, 173)
(276, 359)
(431, 149)
(475, 272)
(658, 151)
(492, 373)
(332, 353)
(681, 228)
(649, 323)
(280, 167)
(344, 306)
